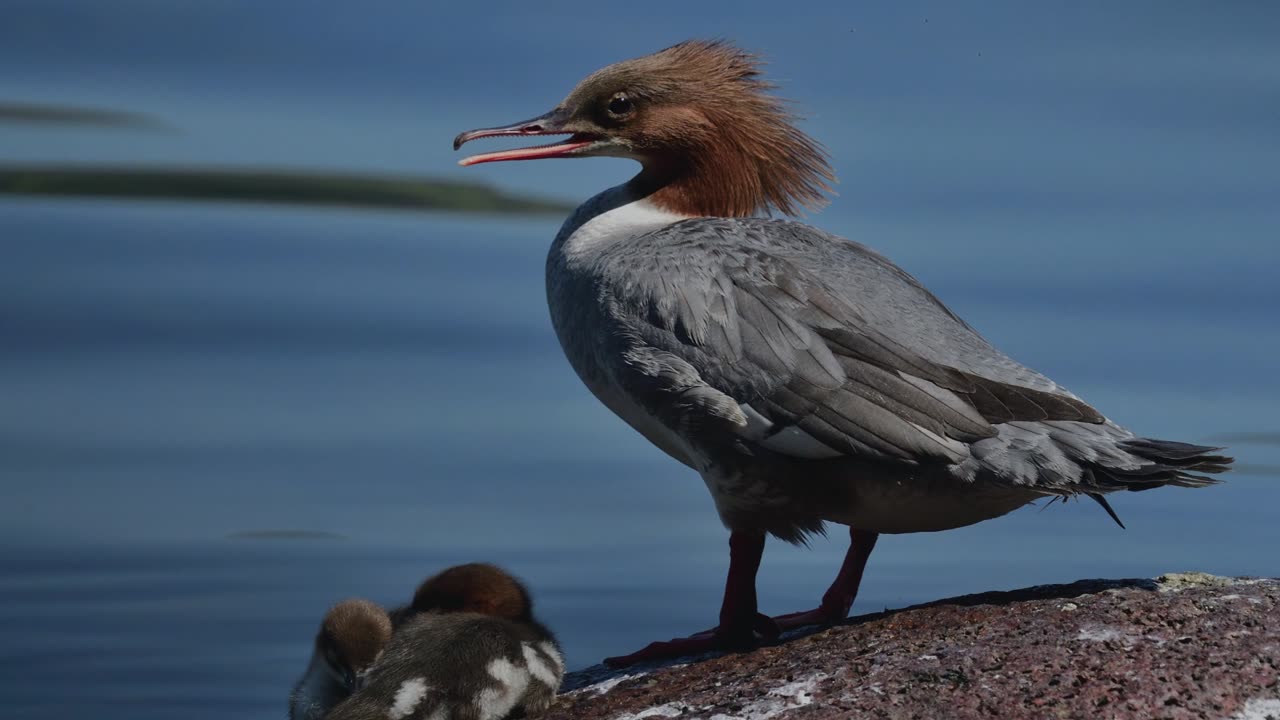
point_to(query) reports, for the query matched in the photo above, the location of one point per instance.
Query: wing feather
(728, 314)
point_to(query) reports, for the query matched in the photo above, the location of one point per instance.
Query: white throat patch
(611, 216)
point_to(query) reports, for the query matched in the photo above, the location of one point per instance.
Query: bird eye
(620, 105)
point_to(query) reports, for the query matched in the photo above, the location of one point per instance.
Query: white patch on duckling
(407, 698)
(550, 651)
(539, 668)
(496, 702)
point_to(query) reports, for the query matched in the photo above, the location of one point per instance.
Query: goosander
(805, 377)
(352, 636)
(469, 647)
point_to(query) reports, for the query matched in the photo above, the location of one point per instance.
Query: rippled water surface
(218, 419)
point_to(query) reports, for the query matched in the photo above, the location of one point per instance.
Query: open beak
(550, 124)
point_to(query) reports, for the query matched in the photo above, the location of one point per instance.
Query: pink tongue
(533, 153)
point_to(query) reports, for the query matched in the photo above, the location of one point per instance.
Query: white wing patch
(496, 702)
(407, 698)
(790, 440)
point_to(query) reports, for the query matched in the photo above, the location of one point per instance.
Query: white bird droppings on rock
(1100, 634)
(664, 710)
(1259, 709)
(777, 701)
(605, 686)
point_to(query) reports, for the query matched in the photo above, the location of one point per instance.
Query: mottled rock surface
(1182, 646)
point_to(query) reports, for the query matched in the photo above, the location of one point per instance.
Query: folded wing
(729, 326)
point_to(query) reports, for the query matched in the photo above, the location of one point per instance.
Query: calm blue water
(1099, 193)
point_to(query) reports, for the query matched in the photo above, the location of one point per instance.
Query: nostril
(531, 129)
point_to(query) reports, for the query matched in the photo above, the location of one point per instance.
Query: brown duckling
(352, 636)
(467, 648)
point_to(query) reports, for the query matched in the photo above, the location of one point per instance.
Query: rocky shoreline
(1186, 645)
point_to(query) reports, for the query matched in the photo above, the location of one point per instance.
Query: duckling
(467, 648)
(475, 588)
(351, 638)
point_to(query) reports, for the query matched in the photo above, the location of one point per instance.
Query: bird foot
(743, 636)
(821, 616)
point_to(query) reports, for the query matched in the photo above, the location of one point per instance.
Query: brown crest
(713, 140)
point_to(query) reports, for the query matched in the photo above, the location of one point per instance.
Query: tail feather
(1101, 500)
(1169, 463)
(1160, 463)
(1063, 458)
(1178, 453)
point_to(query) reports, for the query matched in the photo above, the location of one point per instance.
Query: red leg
(738, 609)
(739, 620)
(838, 599)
